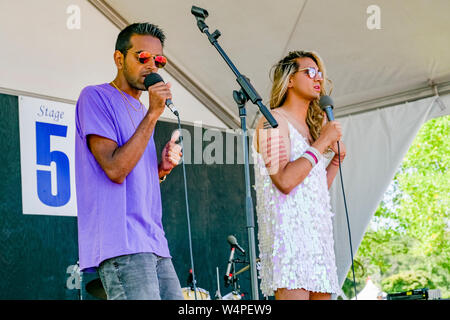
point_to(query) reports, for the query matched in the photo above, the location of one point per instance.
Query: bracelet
(162, 179)
(308, 157)
(335, 162)
(312, 155)
(316, 153)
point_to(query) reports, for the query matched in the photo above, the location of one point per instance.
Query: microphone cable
(346, 214)
(187, 209)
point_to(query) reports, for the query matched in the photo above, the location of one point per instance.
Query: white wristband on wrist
(312, 155)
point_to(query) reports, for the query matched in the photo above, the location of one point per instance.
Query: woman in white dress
(292, 177)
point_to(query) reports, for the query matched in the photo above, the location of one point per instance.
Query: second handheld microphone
(326, 104)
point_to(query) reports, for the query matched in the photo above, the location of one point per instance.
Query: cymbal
(95, 288)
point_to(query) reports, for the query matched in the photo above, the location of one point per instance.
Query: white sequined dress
(295, 231)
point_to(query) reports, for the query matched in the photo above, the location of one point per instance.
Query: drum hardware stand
(247, 92)
(191, 283)
(218, 296)
(190, 280)
(234, 280)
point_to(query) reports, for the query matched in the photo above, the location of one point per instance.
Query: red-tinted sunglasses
(145, 56)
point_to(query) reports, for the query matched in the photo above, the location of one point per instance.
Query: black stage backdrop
(38, 253)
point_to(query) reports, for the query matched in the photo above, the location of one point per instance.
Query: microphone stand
(247, 92)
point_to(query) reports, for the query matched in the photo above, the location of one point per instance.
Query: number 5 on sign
(45, 157)
(47, 153)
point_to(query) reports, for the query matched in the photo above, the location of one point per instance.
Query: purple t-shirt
(115, 219)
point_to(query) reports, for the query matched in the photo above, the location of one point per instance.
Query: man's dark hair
(123, 39)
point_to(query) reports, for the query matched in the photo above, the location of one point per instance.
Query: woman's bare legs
(319, 296)
(300, 294)
(294, 294)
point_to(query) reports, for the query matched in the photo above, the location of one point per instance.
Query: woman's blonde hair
(280, 75)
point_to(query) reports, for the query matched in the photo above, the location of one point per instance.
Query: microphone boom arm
(247, 92)
(246, 87)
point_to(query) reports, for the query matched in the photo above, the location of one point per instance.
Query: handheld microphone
(154, 78)
(233, 243)
(326, 104)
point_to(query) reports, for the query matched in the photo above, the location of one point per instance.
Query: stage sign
(47, 155)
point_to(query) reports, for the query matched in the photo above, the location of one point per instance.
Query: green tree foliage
(408, 280)
(406, 246)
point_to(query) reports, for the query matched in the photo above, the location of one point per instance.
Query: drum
(189, 294)
(96, 289)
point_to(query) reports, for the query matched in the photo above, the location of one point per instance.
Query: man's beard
(133, 83)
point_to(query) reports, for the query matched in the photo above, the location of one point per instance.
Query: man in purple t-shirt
(120, 232)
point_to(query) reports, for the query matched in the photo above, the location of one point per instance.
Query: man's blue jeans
(141, 276)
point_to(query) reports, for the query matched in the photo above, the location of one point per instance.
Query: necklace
(141, 106)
